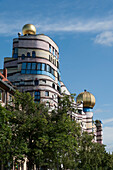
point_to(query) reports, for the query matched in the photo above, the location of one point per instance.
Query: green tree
(63, 135)
(46, 139)
(92, 156)
(5, 136)
(29, 129)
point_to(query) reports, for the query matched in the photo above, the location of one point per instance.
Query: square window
(23, 71)
(23, 65)
(33, 66)
(48, 68)
(28, 71)
(37, 95)
(36, 82)
(39, 65)
(28, 66)
(46, 93)
(49, 48)
(43, 67)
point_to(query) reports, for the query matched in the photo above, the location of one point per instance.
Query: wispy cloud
(105, 38)
(71, 25)
(83, 25)
(105, 121)
(102, 27)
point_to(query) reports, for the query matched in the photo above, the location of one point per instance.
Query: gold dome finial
(29, 29)
(87, 98)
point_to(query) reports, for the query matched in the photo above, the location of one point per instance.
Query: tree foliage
(48, 140)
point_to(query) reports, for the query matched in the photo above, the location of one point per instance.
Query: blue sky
(83, 30)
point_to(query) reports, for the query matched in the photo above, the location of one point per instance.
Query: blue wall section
(87, 109)
(37, 72)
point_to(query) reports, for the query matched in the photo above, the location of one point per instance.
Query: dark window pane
(29, 66)
(33, 72)
(36, 82)
(15, 55)
(46, 93)
(15, 50)
(48, 68)
(52, 71)
(23, 56)
(37, 95)
(23, 71)
(28, 54)
(23, 65)
(33, 66)
(33, 54)
(39, 66)
(57, 64)
(28, 71)
(49, 47)
(53, 85)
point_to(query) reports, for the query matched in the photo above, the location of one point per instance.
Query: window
(28, 54)
(15, 55)
(33, 66)
(57, 64)
(46, 93)
(52, 71)
(39, 66)
(53, 51)
(36, 82)
(49, 48)
(23, 66)
(23, 71)
(43, 67)
(49, 58)
(53, 85)
(37, 95)
(58, 75)
(28, 66)
(33, 54)
(58, 88)
(0, 95)
(23, 56)
(56, 53)
(15, 50)
(48, 68)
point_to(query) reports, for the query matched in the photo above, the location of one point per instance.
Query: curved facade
(34, 67)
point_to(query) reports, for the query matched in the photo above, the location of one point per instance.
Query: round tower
(88, 103)
(34, 66)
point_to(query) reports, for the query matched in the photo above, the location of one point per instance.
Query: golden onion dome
(87, 98)
(29, 29)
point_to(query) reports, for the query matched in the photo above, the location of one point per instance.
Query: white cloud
(60, 25)
(75, 25)
(105, 121)
(105, 38)
(103, 27)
